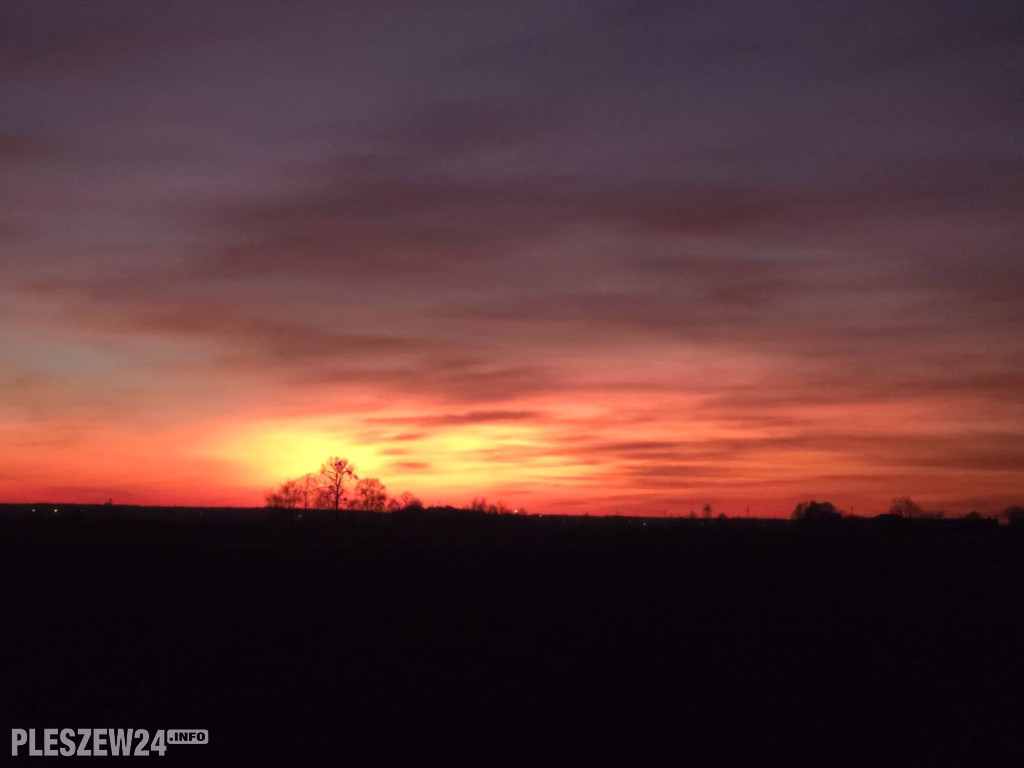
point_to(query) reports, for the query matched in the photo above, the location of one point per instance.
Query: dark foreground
(518, 642)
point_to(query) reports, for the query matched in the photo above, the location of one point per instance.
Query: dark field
(494, 641)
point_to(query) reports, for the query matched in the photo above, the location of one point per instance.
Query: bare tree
(904, 506)
(308, 489)
(287, 496)
(370, 494)
(707, 511)
(408, 501)
(404, 502)
(335, 473)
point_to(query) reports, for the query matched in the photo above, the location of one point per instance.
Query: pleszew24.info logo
(100, 742)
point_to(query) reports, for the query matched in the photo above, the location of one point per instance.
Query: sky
(585, 257)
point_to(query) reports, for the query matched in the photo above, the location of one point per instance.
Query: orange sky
(644, 431)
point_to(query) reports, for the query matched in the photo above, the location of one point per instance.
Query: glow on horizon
(602, 452)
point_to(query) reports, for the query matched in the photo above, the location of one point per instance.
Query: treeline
(901, 507)
(337, 486)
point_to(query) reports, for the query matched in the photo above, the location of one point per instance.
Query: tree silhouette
(287, 496)
(334, 474)
(404, 502)
(904, 506)
(408, 501)
(1015, 516)
(328, 488)
(308, 489)
(370, 494)
(816, 511)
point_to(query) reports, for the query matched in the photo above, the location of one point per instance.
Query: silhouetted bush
(412, 510)
(1015, 516)
(904, 506)
(816, 511)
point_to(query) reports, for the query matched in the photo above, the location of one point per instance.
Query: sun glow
(269, 452)
(446, 464)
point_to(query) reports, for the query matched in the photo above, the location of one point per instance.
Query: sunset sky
(580, 256)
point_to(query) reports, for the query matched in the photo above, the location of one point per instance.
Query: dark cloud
(457, 419)
(454, 381)
(403, 211)
(707, 461)
(411, 466)
(245, 327)
(892, 382)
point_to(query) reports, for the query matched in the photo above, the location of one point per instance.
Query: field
(508, 641)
